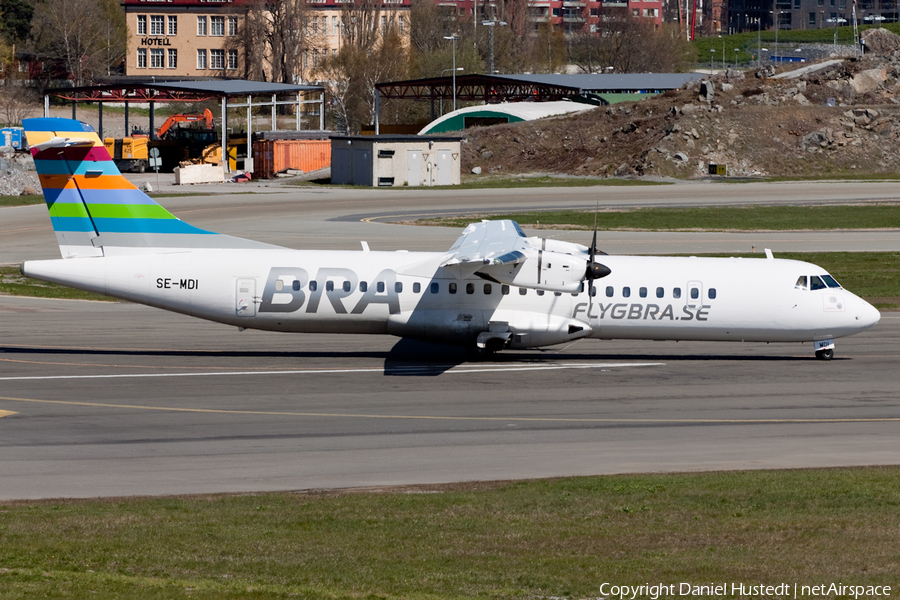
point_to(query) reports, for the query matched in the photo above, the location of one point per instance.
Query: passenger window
(557, 293)
(626, 292)
(593, 291)
(346, 286)
(504, 289)
(363, 286)
(801, 283)
(695, 293)
(470, 288)
(676, 292)
(610, 291)
(295, 285)
(380, 287)
(711, 293)
(435, 286)
(417, 287)
(398, 287)
(642, 292)
(279, 285)
(329, 286)
(313, 285)
(830, 282)
(523, 291)
(815, 283)
(660, 292)
(452, 288)
(540, 292)
(487, 289)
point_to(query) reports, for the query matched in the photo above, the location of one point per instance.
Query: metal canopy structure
(537, 88)
(493, 89)
(153, 91)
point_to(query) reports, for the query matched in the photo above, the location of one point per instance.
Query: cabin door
(245, 298)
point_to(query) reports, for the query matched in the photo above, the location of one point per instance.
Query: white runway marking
(448, 369)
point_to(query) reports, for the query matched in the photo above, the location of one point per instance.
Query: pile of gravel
(17, 175)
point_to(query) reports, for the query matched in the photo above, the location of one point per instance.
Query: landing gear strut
(825, 354)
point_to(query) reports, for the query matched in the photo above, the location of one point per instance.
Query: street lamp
(492, 24)
(454, 87)
(712, 53)
(777, 14)
(836, 21)
(736, 58)
(453, 38)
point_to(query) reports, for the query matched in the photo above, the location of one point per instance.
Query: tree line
(276, 39)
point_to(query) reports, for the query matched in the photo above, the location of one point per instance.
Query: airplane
(495, 288)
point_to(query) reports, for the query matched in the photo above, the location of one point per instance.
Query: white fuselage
(411, 295)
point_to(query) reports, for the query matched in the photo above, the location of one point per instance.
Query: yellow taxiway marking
(442, 418)
(6, 413)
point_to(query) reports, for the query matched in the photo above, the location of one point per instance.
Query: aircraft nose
(867, 315)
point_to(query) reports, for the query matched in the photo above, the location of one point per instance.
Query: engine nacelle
(530, 330)
(543, 270)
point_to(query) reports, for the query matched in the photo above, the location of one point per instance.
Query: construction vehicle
(167, 130)
(176, 144)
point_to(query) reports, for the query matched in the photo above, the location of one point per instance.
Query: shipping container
(13, 137)
(273, 156)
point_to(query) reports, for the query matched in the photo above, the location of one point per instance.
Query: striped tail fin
(95, 211)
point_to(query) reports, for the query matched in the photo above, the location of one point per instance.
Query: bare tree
(16, 103)
(630, 45)
(351, 76)
(89, 36)
(360, 23)
(274, 37)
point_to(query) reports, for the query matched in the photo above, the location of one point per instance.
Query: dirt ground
(755, 126)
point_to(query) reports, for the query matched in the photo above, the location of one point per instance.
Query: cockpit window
(830, 282)
(801, 283)
(816, 283)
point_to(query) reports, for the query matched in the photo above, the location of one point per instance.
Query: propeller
(594, 269)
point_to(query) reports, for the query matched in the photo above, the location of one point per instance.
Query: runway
(115, 399)
(119, 400)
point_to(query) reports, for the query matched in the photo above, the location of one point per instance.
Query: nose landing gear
(825, 354)
(824, 349)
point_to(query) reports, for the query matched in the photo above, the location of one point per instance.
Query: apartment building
(199, 38)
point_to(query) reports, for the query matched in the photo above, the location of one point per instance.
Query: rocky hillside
(842, 118)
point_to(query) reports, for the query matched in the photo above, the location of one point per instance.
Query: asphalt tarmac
(116, 399)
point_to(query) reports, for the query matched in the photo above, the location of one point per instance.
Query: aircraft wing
(488, 243)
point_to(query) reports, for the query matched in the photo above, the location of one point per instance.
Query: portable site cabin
(395, 160)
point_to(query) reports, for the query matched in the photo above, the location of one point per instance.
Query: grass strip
(524, 539)
(874, 276)
(724, 218)
(13, 283)
(25, 200)
(506, 183)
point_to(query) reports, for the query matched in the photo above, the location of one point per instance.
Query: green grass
(13, 283)
(724, 218)
(21, 200)
(504, 183)
(874, 276)
(529, 539)
(747, 45)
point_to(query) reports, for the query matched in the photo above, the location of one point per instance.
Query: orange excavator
(206, 116)
(176, 143)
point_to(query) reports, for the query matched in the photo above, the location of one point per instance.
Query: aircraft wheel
(825, 354)
(478, 354)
